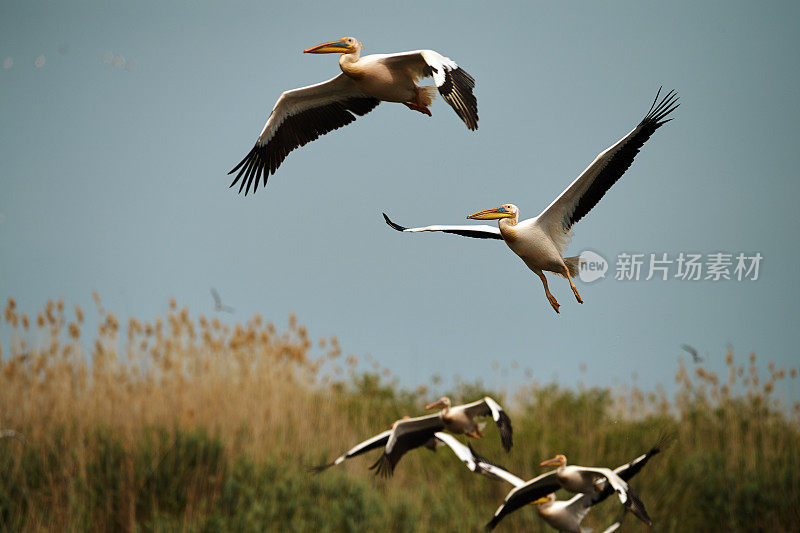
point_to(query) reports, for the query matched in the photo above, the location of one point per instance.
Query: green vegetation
(188, 424)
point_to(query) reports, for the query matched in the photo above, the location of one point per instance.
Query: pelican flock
(592, 485)
(542, 241)
(302, 115)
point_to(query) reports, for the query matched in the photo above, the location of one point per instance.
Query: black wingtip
(665, 440)
(457, 91)
(481, 459)
(493, 523)
(316, 469)
(635, 505)
(392, 225)
(506, 431)
(383, 467)
(659, 110)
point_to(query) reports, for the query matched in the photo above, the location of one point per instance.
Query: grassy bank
(186, 423)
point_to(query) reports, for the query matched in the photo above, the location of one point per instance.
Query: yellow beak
(333, 47)
(543, 499)
(440, 403)
(492, 214)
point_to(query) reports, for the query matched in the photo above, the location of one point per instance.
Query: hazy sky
(120, 122)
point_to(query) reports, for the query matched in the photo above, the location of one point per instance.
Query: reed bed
(185, 423)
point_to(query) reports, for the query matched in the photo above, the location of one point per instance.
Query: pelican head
(444, 403)
(504, 211)
(345, 45)
(558, 460)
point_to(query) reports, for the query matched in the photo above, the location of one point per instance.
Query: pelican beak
(440, 403)
(333, 47)
(555, 461)
(492, 214)
(543, 499)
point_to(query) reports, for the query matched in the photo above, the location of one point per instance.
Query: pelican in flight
(593, 485)
(302, 115)
(414, 432)
(565, 515)
(472, 460)
(542, 241)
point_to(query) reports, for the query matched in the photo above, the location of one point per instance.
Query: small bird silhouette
(691, 351)
(218, 306)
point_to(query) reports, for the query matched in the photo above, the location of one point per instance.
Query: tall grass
(187, 423)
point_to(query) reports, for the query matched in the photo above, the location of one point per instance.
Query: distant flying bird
(218, 306)
(542, 241)
(414, 432)
(691, 351)
(302, 115)
(11, 434)
(592, 483)
(566, 515)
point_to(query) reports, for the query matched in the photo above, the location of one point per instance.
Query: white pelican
(594, 484)
(439, 438)
(414, 432)
(566, 515)
(302, 115)
(541, 241)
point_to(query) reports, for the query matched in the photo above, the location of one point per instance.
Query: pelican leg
(421, 101)
(416, 107)
(571, 284)
(550, 297)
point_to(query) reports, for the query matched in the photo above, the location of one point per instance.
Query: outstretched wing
(584, 193)
(372, 443)
(462, 452)
(454, 83)
(529, 492)
(628, 470)
(478, 232)
(299, 117)
(493, 470)
(489, 407)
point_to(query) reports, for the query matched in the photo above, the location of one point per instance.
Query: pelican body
(574, 478)
(302, 115)
(461, 418)
(542, 241)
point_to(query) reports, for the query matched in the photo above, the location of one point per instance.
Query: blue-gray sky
(120, 122)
